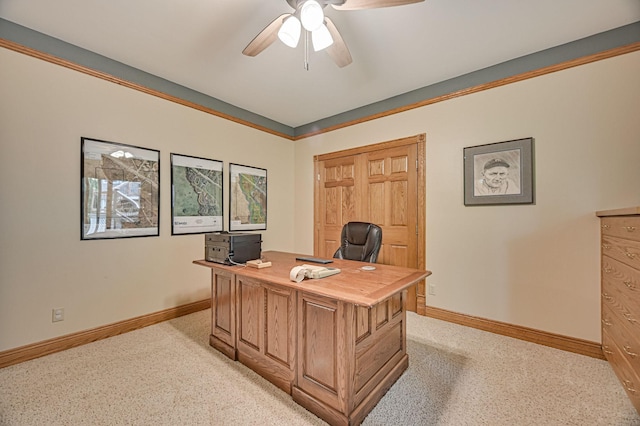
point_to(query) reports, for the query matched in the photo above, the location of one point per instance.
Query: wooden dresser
(620, 237)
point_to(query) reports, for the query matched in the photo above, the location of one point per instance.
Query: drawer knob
(605, 227)
(606, 246)
(630, 255)
(606, 322)
(629, 351)
(630, 285)
(606, 297)
(629, 318)
(628, 384)
(630, 228)
(606, 350)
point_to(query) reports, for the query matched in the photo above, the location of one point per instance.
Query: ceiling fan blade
(372, 4)
(338, 51)
(265, 37)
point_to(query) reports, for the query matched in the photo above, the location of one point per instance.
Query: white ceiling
(198, 44)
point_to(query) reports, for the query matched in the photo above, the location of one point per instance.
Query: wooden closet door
(389, 193)
(378, 183)
(390, 196)
(338, 202)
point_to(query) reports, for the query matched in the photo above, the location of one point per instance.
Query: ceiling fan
(309, 16)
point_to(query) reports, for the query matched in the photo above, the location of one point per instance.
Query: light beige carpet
(167, 374)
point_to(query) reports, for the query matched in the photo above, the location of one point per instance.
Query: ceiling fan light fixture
(289, 32)
(311, 15)
(321, 38)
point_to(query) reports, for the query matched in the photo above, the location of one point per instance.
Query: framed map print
(196, 195)
(120, 190)
(247, 198)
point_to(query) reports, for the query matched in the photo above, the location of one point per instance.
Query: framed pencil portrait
(499, 173)
(120, 190)
(196, 195)
(247, 198)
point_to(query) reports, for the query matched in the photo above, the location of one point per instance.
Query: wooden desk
(336, 344)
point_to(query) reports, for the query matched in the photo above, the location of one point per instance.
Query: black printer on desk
(222, 247)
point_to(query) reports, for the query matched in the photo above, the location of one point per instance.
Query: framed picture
(247, 198)
(120, 190)
(196, 195)
(499, 173)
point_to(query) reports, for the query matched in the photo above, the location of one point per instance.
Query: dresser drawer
(620, 314)
(625, 372)
(617, 273)
(621, 290)
(626, 251)
(624, 227)
(626, 338)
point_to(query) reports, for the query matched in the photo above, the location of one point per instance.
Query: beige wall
(534, 265)
(44, 110)
(531, 265)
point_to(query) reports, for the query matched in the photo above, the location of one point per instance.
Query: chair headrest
(360, 241)
(357, 232)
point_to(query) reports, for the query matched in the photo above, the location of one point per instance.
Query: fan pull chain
(306, 50)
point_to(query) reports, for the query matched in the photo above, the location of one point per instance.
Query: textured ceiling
(198, 44)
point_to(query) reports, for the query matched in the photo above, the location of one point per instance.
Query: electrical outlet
(57, 314)
(432, 289)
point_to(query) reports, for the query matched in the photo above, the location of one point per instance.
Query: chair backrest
(360, 241)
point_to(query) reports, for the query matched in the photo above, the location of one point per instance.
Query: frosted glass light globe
(311, 15)
(289, 32)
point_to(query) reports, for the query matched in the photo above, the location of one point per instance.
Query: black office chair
(360, 241)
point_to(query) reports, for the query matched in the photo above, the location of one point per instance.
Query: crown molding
(608, 44)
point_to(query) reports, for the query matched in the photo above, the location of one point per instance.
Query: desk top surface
(352, 284)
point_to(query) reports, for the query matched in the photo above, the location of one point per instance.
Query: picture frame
(247, 198)
(196, 195)
(499, 173)
(119, 190)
